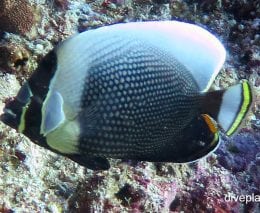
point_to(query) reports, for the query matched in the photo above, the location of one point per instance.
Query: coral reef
(13, 57)
(35, 180)
(62, 4)
(16, 16)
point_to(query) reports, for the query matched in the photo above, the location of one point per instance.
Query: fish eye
(24, 94)
(202, 143)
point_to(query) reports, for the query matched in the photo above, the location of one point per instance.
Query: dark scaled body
(135, 109)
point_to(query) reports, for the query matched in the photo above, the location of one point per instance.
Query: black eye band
(40, 80)
(33, 118)
(24, 94)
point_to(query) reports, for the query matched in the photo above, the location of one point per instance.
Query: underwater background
(33, 179)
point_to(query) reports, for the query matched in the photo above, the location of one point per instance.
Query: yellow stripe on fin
(212, 127)
(245, 104)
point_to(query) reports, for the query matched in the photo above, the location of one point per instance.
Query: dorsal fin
(196, 48)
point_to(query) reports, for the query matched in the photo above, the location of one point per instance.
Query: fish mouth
(10, 114)
(7, 113)
(9, 118)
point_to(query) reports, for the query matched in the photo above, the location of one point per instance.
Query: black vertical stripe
(39, 84)
(211, 103)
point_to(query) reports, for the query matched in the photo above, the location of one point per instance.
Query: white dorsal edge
(196, 48)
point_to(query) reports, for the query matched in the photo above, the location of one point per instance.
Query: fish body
(130, 91)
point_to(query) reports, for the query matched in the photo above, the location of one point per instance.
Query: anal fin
(199, 139)
(93, 163)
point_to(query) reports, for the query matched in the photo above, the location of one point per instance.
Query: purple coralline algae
(35, 180)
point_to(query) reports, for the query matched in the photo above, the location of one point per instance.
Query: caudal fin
(229, 107)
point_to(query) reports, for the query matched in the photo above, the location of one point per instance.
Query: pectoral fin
(52, 113)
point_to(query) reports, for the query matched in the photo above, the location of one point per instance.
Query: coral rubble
(35, 180)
